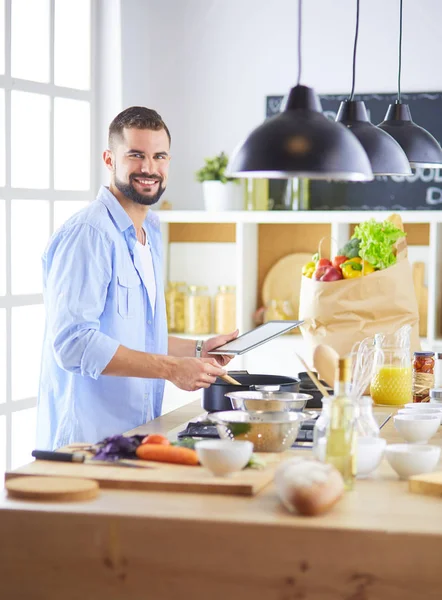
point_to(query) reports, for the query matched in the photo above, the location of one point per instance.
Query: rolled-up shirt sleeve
(77, 274)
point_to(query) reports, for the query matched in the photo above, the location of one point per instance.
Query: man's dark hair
(138, 117)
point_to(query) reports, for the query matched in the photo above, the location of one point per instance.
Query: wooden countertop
(380, 541)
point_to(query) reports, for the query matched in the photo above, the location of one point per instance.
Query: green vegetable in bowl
(376, 241)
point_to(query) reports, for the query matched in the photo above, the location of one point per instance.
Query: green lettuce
(376, 241)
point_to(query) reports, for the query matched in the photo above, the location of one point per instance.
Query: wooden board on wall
(276, 241)
(418, 234)
(202, 232)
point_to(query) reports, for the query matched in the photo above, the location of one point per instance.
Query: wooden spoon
(230, 380)
(325, 361)
(313, 377)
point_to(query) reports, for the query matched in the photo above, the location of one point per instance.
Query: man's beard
(128, 189)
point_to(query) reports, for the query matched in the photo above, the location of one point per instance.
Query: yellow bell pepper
(356, 267)
(308, 269)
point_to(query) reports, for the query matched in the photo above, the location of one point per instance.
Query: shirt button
(149, 322)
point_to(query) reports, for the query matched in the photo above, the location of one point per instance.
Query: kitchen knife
(77, 457)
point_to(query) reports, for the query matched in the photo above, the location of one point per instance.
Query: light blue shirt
(96, 299)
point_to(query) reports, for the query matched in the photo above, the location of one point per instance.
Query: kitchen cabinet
(239, 247)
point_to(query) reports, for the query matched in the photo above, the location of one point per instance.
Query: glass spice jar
(423, 376)
(175, 298)
(198, 311)
(225, 309)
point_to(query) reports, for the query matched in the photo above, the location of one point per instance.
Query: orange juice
(391, 385)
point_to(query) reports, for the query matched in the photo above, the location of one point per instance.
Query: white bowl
(370, 452)
(417, 428)
(423, 411)
(417, 406)
(409, 459)
(223, 457)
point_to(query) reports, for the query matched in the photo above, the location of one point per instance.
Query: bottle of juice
(340, 450)
(392, 374)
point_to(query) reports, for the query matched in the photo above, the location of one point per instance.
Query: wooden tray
(162, 477)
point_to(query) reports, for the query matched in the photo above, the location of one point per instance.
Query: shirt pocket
(128, 293)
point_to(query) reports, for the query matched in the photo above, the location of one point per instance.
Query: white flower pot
(220, 196)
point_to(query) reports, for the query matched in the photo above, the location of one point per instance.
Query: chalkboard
(421, 191)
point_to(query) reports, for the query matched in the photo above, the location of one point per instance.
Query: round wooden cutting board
(60, 489)
(283, 281)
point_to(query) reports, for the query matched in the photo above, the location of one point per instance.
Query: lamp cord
(400, 57)
(299, 40)
(354, 52)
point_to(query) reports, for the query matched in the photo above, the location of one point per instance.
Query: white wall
(207, 65)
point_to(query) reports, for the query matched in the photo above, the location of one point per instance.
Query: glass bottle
(198, 311)
(423, 376)
(225, 309)
(340, 449)
(320, 429)
(366, 424)
(391, 381)
(175, 299)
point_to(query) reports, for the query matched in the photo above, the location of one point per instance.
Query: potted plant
(220, 192)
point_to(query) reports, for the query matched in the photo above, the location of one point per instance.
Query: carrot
(156, 438)
(169, 454)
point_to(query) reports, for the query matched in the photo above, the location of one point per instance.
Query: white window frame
(8, 193)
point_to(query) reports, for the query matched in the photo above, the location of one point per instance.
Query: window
(46, 166)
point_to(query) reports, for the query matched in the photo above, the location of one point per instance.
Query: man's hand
(191, 374)
(219, 340)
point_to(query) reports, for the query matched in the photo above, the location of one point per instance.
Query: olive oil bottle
(341, 433)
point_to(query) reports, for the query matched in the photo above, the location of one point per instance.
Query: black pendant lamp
(301, 142)
(421, 148)
(384, 153)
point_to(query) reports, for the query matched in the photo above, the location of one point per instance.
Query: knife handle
(60, 456)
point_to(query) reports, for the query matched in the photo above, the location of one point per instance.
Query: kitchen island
(379, 542)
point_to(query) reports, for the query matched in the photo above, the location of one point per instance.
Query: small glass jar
(423, 376)
(320, 429)
(175, 299)
(366, 425)
(225, 309)
(198, 311)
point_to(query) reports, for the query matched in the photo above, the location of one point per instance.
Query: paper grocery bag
(340, 313)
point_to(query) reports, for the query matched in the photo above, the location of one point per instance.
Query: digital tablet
(254, 338)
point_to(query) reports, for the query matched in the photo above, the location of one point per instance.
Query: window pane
(2, 448)
(2, 249)
(2, 36)
(29, 236)
(71, 144)
(2, 138)
(2, 356)
(64, 209)
(24, 424)
(30, 39)
(72, 55)
(30, 136)
(27, 340)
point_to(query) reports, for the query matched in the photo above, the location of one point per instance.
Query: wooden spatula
(325, 361)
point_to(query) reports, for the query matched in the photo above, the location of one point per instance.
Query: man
(106, 352)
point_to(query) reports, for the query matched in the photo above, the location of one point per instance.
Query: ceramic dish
(417, 428)
(223, 457)
(410, 459)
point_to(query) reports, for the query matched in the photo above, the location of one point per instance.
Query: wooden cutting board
(49, 489)
(428, 483)
(161, 477)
